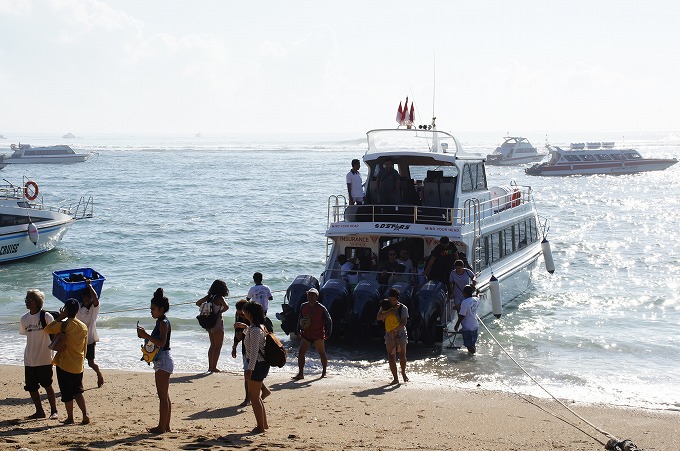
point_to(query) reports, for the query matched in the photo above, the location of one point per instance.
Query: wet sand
(314, 413)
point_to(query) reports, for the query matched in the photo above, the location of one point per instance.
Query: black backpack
(274, 352)
(208, 316)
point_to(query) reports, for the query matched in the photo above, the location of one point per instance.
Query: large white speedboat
(597, 158)
(442, 193)
(514, 150)
(26, 154)
(28, 227)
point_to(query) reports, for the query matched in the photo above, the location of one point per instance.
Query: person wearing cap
(70, 362)
(348, 271)
(315, 326)
(440, 263)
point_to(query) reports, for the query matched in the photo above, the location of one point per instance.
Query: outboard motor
(430, 303)
(334, 295)
(296, 295)
(364, 309)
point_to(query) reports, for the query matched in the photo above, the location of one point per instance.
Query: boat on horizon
(597, 158)
(443, 194)
(68, 135)
(514, 150)
(28, 227)
(26, 154)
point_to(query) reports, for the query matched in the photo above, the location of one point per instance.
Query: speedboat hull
(15, 243)
(53, 159)
(612, 167)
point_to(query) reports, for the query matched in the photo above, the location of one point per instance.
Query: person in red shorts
(314, 327)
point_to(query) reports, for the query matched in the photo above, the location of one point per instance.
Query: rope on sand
(147, 308)
(613, 443)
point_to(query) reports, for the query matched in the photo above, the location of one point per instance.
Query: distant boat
(25, 154)
(515, 150)
(198, 135)
(69, 136)
(2, 137)
(597, 158)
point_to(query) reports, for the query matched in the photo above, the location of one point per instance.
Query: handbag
(58, 343)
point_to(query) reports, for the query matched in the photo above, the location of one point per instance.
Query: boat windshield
(411, 140)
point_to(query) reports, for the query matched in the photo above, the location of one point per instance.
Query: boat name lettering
(9, 249)
(356, 239)
(393, 226)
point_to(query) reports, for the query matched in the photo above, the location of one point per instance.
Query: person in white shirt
(37, 355)
(260, 293)
(348, 270)
(355, 187)
(88, 312)
(409, 270)
(467, 318)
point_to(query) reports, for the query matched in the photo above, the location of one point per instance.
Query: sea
(179, 211)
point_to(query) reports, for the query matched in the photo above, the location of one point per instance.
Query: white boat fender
(547, 256)
(33, 234)
(495, 292)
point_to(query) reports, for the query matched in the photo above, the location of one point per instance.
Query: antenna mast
(434, 84)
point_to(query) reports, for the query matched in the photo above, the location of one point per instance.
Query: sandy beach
(330, 413)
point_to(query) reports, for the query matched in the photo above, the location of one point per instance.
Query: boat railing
(409, 277)
(84, 209)
(340, 211)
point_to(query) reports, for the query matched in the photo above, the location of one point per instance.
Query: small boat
(28, 227)
(25, 154)
(442, 193)
(514, 150)
(68, 136)
(597, 158)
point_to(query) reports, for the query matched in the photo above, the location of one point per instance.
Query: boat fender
(495, 292)
(515, 198)
(33, 233)
(547, 256)
(31, 194)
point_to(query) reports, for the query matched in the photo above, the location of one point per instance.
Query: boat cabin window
(474, 177)
(632, 156)
(589, 157)
(603, 157)
(618, 156)
(572, 158)
(496, 245)
(412, 249)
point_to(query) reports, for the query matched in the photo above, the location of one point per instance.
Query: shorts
(469, 337)
(70, 384)
(392, 339)
(260, 371)
(218, 327)
(89, 355)
(164, 362)
(37, 376)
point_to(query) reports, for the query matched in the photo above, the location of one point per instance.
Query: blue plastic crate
(63, 287)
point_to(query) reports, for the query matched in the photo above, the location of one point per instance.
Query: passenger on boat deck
(348, 271)
(389, 184)
(395, 316)
(467, 318)
(398, 276)
(460, 276)
(440, 262)
(408, 265)
(355, 187)
(388, 267)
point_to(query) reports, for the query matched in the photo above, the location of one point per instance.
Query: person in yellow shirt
(395, 315)
(70, 362)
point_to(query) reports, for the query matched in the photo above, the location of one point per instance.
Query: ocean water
(180, 211)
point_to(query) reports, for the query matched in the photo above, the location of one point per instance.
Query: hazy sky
(218, 66)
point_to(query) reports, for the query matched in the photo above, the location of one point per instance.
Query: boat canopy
(405, 141)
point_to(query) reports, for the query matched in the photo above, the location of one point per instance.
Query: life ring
(515, 198)
(33, 193)
(13, 146)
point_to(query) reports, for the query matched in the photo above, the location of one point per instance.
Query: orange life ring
(31, 195)
(515, 198)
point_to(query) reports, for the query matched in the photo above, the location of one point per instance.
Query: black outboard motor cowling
(296, 295)
(334, 295)
(364, 308)
(430, 303)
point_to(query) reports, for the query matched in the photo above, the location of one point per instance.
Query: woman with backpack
(212, 307)
(258, 368)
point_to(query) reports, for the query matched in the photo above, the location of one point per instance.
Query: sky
(222, 66)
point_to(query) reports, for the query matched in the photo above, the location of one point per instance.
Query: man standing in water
(314, 327)
(467, 318)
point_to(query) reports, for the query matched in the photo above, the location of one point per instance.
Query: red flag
(412, 116)
(404, 112)
(399, 114)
